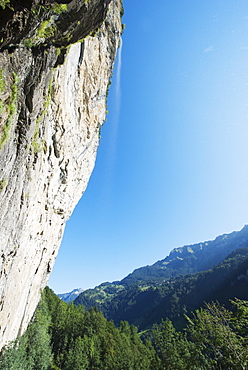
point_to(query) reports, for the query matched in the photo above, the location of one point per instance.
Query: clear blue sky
(172, 167)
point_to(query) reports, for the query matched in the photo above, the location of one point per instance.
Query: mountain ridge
(143, 297)
(186, 251)
(143, 306)
(179, 256)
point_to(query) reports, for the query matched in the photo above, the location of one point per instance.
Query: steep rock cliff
(56, 60)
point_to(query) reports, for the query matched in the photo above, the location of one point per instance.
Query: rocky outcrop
(56, 60)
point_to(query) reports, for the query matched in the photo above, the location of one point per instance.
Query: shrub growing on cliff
(59, 8)
(4, 4)
(11, 109)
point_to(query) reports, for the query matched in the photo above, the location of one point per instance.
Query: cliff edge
(56, 61)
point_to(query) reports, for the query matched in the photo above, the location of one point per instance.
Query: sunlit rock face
(54, 78)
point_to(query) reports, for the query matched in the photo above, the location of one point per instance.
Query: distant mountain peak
(71, 296)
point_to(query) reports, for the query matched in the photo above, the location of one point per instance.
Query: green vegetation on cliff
(11, 107)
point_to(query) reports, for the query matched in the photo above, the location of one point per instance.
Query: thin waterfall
(118, 79)
(117, 105)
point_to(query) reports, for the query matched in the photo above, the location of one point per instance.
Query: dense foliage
(215, 338)
(66, 337)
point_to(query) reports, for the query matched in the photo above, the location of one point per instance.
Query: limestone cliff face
(53, 84)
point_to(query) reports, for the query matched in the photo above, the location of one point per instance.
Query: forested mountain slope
(144, 305)
(132, 297)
